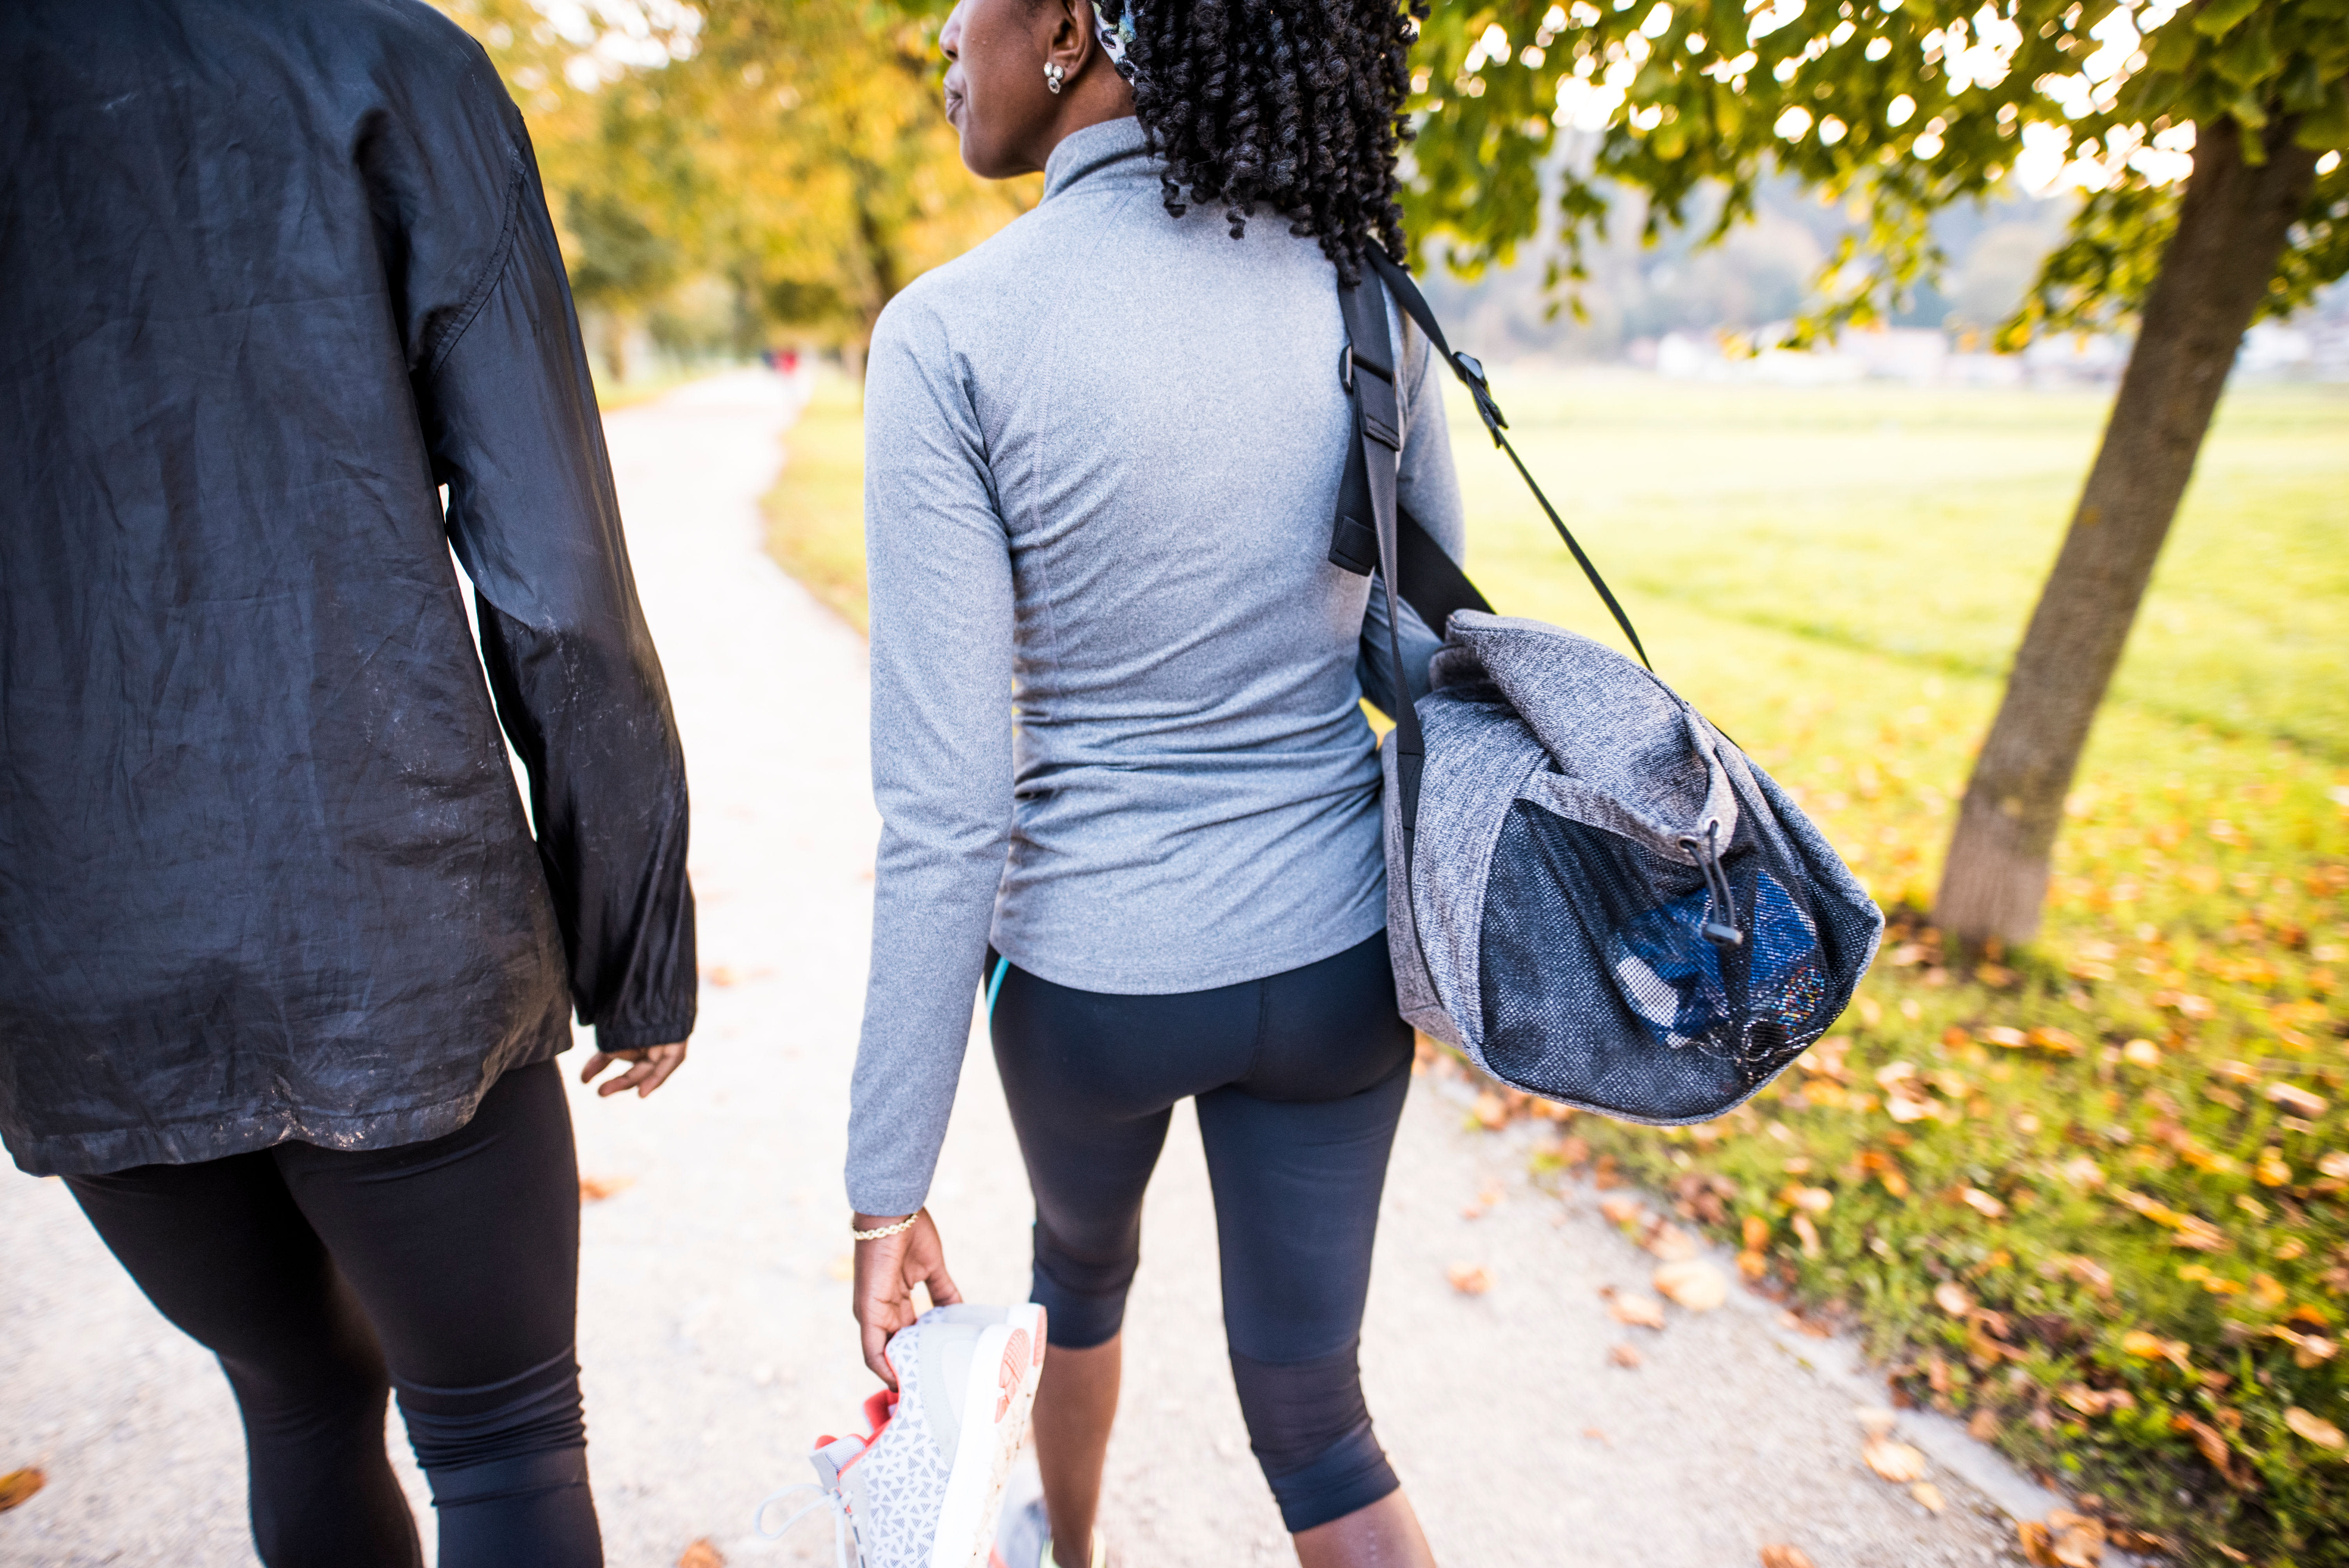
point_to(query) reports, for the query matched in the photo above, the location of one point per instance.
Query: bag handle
(1471, 371)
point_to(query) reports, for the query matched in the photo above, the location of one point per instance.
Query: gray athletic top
(1117, 728)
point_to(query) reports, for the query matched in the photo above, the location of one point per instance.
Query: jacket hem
(248, 1129)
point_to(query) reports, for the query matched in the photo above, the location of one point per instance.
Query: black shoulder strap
(1472, 375)
(1368, 370)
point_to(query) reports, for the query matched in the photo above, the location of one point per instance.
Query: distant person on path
(1104, 450)
(283, 971)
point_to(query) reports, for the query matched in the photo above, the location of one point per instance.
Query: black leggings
(1300, 1080)
(323, 1277)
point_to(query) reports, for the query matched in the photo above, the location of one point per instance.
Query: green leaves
(2217, 17)
(1897, 113)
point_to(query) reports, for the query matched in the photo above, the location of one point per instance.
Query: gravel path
(714, 1318)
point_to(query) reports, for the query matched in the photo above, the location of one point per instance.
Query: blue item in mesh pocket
(1590, 891)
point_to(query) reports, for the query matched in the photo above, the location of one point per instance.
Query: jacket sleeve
(510, 417)
(941, 585)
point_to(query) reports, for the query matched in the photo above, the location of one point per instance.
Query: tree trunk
(2231, 230)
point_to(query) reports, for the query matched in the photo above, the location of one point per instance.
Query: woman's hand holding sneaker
(888, 1266)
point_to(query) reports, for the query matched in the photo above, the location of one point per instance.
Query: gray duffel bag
(1590, 891)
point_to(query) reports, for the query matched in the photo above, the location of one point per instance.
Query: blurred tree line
(736, 175)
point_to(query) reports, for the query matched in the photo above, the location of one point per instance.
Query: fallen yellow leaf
(2077, 1540)
(2141, 1053)
(596, 1189)
(702, 1553)
(1469, 1279)
(1694, 1284)
(2083, 1172)
(2146, 1347)
(1639, 1311)
(1895, 1461)
(2298, 1100)
(1951, 1298)
(1783, 1556)
(2315, 1428)
(19, 1484)
(1672, 1243)
(1624, 1356)
(1982, 1203)
(1925, 1492)
(1622, 1211)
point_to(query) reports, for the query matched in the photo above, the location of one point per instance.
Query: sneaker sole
(1004, 1364)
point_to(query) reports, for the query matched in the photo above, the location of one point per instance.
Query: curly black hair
(1296, 105)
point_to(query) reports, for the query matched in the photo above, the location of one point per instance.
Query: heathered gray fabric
(1102, 450)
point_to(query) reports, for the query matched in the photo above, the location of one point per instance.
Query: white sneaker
(923, 1488)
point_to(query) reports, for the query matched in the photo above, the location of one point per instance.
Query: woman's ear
(1070, 46)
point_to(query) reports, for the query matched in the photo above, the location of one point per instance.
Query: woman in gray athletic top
(1117, 733)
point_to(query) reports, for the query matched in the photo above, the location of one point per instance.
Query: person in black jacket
(284, 966)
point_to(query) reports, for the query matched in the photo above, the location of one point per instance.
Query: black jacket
(270, 271)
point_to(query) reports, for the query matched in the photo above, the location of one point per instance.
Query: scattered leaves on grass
(702, 1553)
(1784, 1556)
(1626, 1354)
(1638, 1311)
(2215, 1449)
(1693, 1283)
(19, 1485)
(1897, 1463)
(1469, 1279)
(596, 1189)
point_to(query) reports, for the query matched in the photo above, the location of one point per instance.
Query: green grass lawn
(2091, 1196)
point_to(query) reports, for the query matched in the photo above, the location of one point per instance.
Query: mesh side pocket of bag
(1590, 992)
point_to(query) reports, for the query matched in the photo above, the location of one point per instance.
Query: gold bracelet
(900, 1228)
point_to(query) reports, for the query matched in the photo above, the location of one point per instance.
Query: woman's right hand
(887, 1270)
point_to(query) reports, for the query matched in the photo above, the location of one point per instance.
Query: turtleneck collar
(1114, 146)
